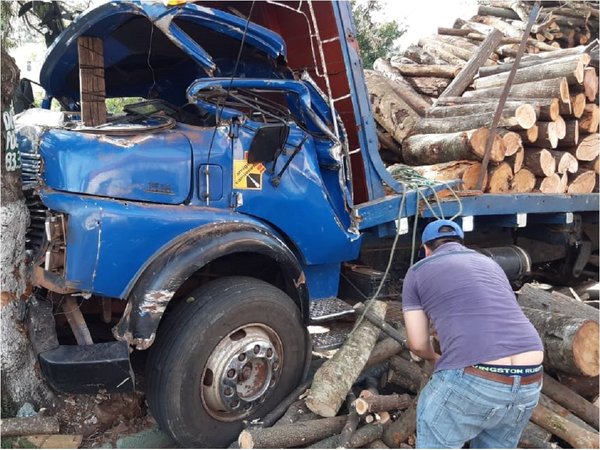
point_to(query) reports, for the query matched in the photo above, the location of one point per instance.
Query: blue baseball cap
(432, 231)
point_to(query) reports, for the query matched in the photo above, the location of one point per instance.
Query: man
(488, 378)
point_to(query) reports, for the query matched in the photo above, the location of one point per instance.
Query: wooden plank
(91, 80)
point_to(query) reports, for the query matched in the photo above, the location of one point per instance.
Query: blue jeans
(456, 407)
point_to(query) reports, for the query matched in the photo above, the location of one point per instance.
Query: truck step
(329, 308)
(329, 338)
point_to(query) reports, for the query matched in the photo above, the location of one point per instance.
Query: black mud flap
(85, 369)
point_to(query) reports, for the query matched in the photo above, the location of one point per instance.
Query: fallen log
(523, 182)
(465, 77)
(554, 302)
(335, 377)
(570, 343)
(285, 404)
(582, 182)
(391, 111)
(26, 426)
(399, 431)
(571, 136)
(587, 387)
(547, 136)
(588, 148)
(531, 438)
(523, 117)
(297, 412)
(361, 438)
(552, 88)
(467, 171)
(426, 70)
(564, 429)
(293, 435)
(406, 374)
(577, 105)
(565, 162)
(404, 89)
(378, 403)
(540, 162)
(590, 118)
(571, 400)
(429, 86)
(383, 350)
(526, 113)
(445, 147)
(512, 142)
(500, 178)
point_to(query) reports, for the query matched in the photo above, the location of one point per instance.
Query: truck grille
(35, 239)
(31, 163)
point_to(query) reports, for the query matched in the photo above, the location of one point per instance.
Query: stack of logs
(365, 395)
(434, 106)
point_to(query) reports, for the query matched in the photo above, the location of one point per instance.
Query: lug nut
(228, 391)
(231, 373)
(256, 348)
(242, 357)
(235, 403)
(275, 365)
(269, 353)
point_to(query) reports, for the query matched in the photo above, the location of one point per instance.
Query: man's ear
(428, 251)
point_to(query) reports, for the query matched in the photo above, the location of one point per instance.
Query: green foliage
(376, 40)
(115, 105)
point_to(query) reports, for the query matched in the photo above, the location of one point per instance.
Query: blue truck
(209, 224)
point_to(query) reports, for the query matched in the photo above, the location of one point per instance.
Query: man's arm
(417, 332)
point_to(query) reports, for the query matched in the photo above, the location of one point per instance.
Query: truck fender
(174, 264)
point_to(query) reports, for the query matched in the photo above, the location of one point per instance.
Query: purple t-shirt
(468, 298)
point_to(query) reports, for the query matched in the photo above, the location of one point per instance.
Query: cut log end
(564, 91)
(478, 142)
(523, 182)
(577, 105)
(583, 183)
(500, 179)
(245, 440)
(525, 115)
(585, 348)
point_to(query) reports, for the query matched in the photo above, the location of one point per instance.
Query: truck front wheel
(229, 352)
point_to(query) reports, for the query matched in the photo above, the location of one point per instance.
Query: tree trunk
(570, 400)
(378, 403)
(28, 426)
(564, 429)
(439, 148)
(571, 68)
(391, 111)
(21, 377)
(554, 302)
(335, 377)
(429, 70)
(582, 182)
(500, 178)
(402, 87)
(552, 88)
(588, 148)
(540, 162)
(526, 113)
(523, 182)
(293, 435)
(570, 343)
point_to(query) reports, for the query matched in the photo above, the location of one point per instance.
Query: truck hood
(186, 42)
(153, 167)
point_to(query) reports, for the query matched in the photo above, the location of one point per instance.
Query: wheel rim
(241, 372)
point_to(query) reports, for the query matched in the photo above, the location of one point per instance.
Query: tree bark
(564, 429)
(500, 178)
(27, 426)
(564, 412)
(587, 387)
(526, 113)
(552, 88)
(391, 111)
(571, 400)
(293, 435)
(336, 376)
(540, 162)
(429, 70)
(444, 55)
(446, 147)
(523, 182)
(521, 118)
(571, 68)
(430, 86)
(582, 182)
(570, 343)
(399, 431)
(555, 302)
(401, 87)
(406, 374)
(296, 412)
(467, 171)
(547, 135)
(460, 52)
(571, 136)
(383, 350)
(21, 377)
(465, 77)
(532, 438)
(361, 438)
(565, 161)
(588, 148)
(530, 136)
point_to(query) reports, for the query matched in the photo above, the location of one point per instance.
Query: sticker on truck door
(247, 175)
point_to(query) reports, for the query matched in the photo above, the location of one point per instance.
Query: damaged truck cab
(200, 231)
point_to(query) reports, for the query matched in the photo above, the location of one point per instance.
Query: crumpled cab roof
(186, 42)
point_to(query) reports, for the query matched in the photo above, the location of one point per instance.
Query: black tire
(181, 392)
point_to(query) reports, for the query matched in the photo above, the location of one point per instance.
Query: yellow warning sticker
(247, 175)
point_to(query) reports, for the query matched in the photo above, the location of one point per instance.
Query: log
(523, 182)
(500, 178)
(430, 86)
(452, 31)
(571, 136)
(399, 431)
(590, 118)
(387, 143)
(378, 443)
(552, 88)
(444, 55)
(570, 343)
(590, 83)
(405, 374)
(297, 412)
(564, 429)
(564, 183)
(526, 113)
(284, 405)
(587, 387)
(438, 148)
(383, 350)
(549, 185)
(540, 162)
(561, 128)
(591, 165)
(512, 142)
(465, 77)
(577, 105)
(460, 52)
(471, 177)
(530, 136)
(571, 400)
(560, 53)
(497, 12)
(582, 182)
(499, 24)
(554, 302)
(391, 111)
(26, 426)
(564, 412)
(378, 403)
(565, 161)
(572, 68)
(293, 435)
(467, 171)
(523, 118)
(420, 56)
(380, 322)
(351, 424)
(531, 437)
(547, 135)
(402, 87)
(336, 376)
(361, 438)
(429, 70)
(588, 148)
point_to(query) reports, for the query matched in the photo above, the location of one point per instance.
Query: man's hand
(417, 332)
